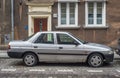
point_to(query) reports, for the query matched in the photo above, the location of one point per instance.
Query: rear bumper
(15, 54)
(109, 57)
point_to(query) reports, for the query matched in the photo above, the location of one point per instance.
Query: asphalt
(3, 54)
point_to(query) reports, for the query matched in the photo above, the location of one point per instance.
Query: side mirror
(76, 43)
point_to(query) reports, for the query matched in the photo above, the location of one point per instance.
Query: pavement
(3, 54)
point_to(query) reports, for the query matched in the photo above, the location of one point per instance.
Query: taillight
(8, 46)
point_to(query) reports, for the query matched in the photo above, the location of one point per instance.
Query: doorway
(40, 24)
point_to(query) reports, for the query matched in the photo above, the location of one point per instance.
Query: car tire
(95, 60)
(30, 59)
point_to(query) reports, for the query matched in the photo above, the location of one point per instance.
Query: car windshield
(28, 37)
(82, 41)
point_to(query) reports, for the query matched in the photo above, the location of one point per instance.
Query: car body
(59, 47)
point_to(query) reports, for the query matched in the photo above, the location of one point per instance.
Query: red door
(40, 24)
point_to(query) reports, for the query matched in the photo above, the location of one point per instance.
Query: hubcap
(29, 60)
(96, 60)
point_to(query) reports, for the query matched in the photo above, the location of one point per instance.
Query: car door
(69, 49)
(45, 48)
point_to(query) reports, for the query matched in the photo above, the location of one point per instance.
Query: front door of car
(45, 48)
(69, 50)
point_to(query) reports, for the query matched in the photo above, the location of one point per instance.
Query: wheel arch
(95, 53)
(30, 52)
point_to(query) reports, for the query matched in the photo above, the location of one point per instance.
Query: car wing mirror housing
(76, 43)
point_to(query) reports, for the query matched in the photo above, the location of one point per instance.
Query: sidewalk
(3, 54)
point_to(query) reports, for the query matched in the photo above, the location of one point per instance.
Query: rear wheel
(95, 60)
(30, 59)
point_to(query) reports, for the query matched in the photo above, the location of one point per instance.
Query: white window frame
(67, 15)
(95, 13)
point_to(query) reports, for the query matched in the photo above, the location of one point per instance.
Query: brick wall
(21, 20)
(5, 19)
(105, 36)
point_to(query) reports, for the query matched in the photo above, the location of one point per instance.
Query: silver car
(59, 47)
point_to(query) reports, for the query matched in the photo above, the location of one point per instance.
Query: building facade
(91, 20)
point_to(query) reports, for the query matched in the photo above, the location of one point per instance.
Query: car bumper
(109, 57)
(15, 54)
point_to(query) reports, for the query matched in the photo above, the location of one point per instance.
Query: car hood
(96, 46)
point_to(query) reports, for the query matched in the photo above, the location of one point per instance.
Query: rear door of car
(45, 48)
(69, 50)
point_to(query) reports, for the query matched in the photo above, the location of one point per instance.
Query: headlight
(111, 52)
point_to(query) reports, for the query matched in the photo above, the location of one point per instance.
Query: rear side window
(46, 38)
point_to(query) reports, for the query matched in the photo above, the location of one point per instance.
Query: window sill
(67, 27)
(96, 27)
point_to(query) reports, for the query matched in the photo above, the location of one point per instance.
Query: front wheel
(30, 59)
(95, 60)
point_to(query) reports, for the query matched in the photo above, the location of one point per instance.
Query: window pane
(45, 38)
(90, 21)
(90, 4)
(99, 13)
(65, 39)
(90, 13)
(99, 21)
(0, 3)
(72, 13)
(63, 13)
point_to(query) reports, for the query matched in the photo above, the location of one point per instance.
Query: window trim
(67, 15)
(95, 12)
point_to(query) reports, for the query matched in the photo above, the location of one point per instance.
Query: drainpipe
(12, 19)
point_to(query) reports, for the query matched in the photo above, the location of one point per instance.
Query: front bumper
(109, 57)
(117, 51)
(15, 54)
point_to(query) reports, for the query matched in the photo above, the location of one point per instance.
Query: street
(14, 68)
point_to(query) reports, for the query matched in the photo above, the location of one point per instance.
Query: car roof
(37, 34)
(52, 32)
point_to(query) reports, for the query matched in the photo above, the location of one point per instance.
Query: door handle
(35, 46)
(60, 47)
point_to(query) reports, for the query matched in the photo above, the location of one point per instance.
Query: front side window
(45, 39)
(65, 39)
(67, 13)
(95, 14)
